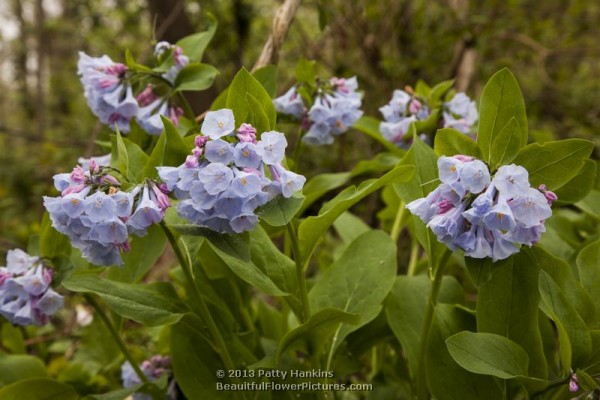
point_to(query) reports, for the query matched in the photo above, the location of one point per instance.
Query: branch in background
(281, 24)
(20, 134)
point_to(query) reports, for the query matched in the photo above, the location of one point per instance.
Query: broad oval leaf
(506, 145)
(243, 86)
(501, 101)
(554, 163)
(280, 211)
(488, 354)
(38, 389)
(194, 45)
(15, 367)
(195, 76)
(579, 186)
(152, 304)
(358, 281)
(449, 142)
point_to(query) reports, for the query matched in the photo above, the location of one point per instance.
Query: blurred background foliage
(552, 47)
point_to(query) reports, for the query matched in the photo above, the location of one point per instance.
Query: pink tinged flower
(197, 151)
(573, 383)
(160, 198)
(200, 141)
(73, 189)
(246, 133)
(78, 175)
(550, 196)
(191, 161)
(175, 113)
(415, 106)
(146, 96)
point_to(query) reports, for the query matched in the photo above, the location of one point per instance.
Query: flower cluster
(336, 107)
(26, 295)
(460, 113)
(405, 108)
(98, 217)
(484, 216)
(223, 181)
(111, 97)
(153, 369)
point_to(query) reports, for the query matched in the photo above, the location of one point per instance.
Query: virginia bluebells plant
(154, 368)
(484, 216)
(26, 295)
(222, 183)
(335, 108)
(98, 216)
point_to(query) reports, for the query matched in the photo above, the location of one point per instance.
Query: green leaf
(445, 378)
(235, 252)
(242, 87)
(317, 330)
(195, 364)
(590, 203)
(306, 71)
(144, 253)
(136, 160)
(52, 243)
(507, 305)
(579, 186)
(449, 142)
(194, 45)
(170, 150)
(134, 65)
(267, 76)
(277, 266)
(280, 211)
(586, 382)
(506, 145)
(501, 101)
(370, 127)
(405, 309)
(257, 116)
(488, 354)
(564, 277)
(152, 304)
(16, 367)
(11, 338)
(554, 163)
(38, 389)
(312, 228)
(437, 93)
(358, 281)
(589, 273)
(195, 76)
(122, 156)
(321, 184)
(571, 328)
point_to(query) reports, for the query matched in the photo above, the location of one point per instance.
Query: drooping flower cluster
(336, 107)
(484, 216)
(153, 369)
(405, 108)
(223, 181)
(106, 90)
(110, 94)
(26, 295)
(98, 217)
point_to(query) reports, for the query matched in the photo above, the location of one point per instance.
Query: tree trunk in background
(465, 52)
(20, 61)
(40, 104)
(171, 23)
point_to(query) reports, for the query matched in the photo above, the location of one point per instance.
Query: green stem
(116, 337)
(187, 109)
(186, 266)
(551, 386)
(397, 227)
(299, 273)
(422, 390)
(414, 256)
(241, 306)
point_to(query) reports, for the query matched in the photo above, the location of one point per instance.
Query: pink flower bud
(78, 174)
(146, 96)
(246, 133)
(200, 141)
(415, 106)
(191, 162)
